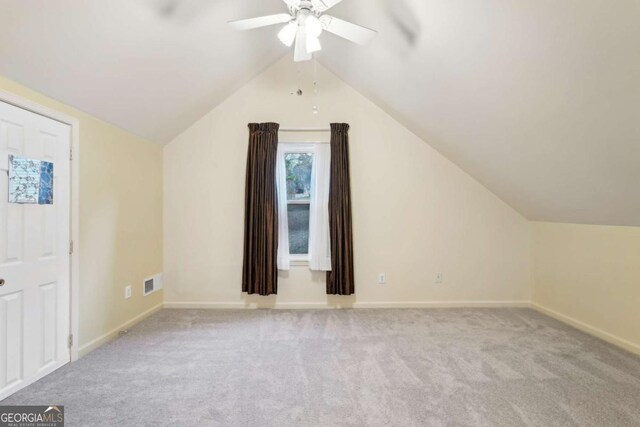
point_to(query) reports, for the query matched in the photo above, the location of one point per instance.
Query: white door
(34, 255)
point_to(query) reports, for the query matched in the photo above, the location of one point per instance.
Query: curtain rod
(305, 130)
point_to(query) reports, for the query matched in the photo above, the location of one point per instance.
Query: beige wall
(415, 213)
(120, 220)
(589, 275)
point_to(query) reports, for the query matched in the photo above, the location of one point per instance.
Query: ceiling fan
(305, 23)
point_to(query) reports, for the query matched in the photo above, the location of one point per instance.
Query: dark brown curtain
(340, 278)
(259, 267)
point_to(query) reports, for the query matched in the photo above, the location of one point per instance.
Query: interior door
(34, 255)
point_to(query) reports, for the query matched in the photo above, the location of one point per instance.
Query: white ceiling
(537, 99)
(132, 62)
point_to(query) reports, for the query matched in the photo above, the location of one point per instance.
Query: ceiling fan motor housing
(305, 8)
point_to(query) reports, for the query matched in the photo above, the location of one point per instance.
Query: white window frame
(301, 147)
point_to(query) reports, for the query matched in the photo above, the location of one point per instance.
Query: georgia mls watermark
(31, 416)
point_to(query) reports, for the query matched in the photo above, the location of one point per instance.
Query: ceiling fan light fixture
(287, 34)
(313, 44)
(313, 26)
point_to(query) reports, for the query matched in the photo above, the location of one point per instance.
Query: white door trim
(74, 259)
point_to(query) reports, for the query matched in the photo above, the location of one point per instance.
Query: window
(299, 169)
(302, 175)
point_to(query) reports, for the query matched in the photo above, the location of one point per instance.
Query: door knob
(1, 282)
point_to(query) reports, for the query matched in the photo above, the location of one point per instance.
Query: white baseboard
(101, 340)
(322, 305)
(591, 330)
(442, 304)
(248, 306)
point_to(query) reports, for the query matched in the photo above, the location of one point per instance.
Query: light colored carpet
(398, 367)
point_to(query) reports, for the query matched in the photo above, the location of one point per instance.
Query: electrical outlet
(382, 278)
(127, 292)
(438, 277)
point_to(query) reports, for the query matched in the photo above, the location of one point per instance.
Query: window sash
(304, 148)
(299, 202)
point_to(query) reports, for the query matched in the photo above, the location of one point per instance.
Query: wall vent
(152, 284)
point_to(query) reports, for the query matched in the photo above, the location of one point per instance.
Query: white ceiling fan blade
(292, 3)
(300, 51)
(263, 21)
(322, 5)
(352, 32)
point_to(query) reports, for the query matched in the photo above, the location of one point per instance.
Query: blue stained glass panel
(45, 196)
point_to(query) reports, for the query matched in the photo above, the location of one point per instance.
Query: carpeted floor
(397, 367)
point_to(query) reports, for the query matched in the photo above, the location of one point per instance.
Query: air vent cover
(152, 284)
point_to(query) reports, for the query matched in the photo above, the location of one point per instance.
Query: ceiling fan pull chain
(315, 84)
(315, 75)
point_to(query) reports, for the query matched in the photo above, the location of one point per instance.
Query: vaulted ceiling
(537, 99)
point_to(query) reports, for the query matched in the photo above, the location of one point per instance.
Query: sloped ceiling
(152, 67)
(537, 99)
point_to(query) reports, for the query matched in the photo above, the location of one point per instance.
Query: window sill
(299, 262)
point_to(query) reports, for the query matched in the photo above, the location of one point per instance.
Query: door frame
(74, 258)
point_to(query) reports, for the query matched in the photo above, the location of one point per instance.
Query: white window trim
(299, 260)
(299, 147)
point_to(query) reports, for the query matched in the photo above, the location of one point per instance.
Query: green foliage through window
(299, 167)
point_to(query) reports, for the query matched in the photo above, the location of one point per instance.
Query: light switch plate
(382, 278)
(127, 292)
(438, 277)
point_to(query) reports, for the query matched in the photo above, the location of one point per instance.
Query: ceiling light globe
(287, 34)
(313, 44)
(313, 26)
